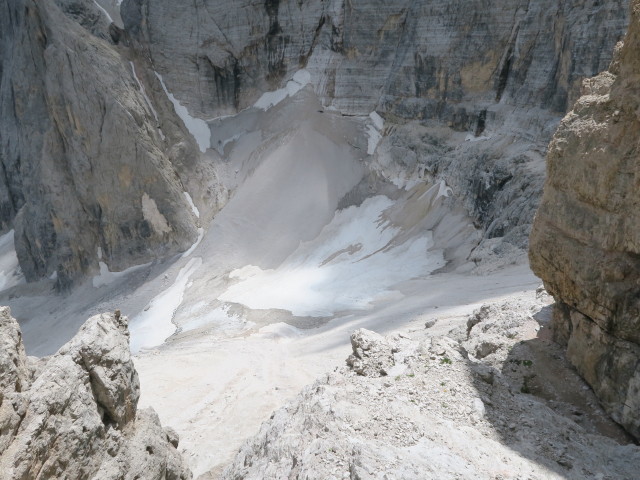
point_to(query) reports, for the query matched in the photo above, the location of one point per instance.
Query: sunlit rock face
(74, 414)
(585, 244)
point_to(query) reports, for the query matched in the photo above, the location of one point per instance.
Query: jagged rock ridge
(585, 243)
(74, 415)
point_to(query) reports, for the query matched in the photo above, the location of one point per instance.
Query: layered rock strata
(89, 158)
(74, 415)
(502, 73)
(585, 243)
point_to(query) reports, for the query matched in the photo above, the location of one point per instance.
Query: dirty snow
(198, 128)
(351, 264)
(154, 325)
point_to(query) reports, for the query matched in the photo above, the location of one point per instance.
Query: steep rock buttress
(585, 242)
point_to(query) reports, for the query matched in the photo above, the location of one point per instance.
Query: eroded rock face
(81, 146)
(502, 72)
(585, 243)
(75, 415)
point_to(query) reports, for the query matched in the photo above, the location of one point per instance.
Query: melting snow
(104, 11)
(194, 209)
(351, 264)
(196, 126)
(10, 273)
(374, 132)
(155, 324)
(297, 83)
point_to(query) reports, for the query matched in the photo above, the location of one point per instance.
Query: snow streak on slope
(351, 264)
(10, 273)
(154, 325)
(270, 99)
(196, 126)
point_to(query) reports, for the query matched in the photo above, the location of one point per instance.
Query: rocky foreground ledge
(74, 415)
(494, 399)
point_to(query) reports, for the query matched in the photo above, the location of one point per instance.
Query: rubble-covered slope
(585, 243)
(490, 405)
(74, 415)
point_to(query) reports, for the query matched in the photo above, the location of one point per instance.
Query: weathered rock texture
(585, 244)
(431, 410)
(92, 158)
(507, 70)
(74, 414)
(86, 158)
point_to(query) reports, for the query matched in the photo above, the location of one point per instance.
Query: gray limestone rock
(78, 418)
(85, 162)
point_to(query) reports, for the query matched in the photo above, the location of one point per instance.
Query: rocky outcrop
(430, 409)
(88, 158)
(74, 415)
(585, 243)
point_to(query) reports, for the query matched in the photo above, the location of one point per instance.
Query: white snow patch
(195, 245)
(443, 190)
(270, 99)
(194, 209)
(106, 277)
(103, 11)
(10, 272)
(155, 324)
(472, 138)
(374, 132)
(196, 126)
(352, 263)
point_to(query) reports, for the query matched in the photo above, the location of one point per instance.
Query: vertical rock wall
(80, 147)
(585, 242)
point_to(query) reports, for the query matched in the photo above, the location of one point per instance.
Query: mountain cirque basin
(266, 190)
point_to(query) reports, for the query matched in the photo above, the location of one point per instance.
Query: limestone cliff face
(94, 156)
(504, 71)
(74, 415)
(451, 60)
(585, 243)
(85, 162)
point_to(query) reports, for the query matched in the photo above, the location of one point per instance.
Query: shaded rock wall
(507, 70)
(585, 243)
(424, 59)
(80, 147)
(74, 415)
